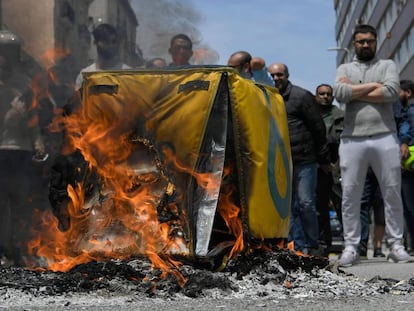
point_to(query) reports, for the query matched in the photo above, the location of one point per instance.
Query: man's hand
(40, 148)
(345, 80)
(405, 152)
(370, 91)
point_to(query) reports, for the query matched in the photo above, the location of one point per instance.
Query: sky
(295, 32)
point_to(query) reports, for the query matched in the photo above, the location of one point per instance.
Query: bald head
(241, 62)
(280, 75)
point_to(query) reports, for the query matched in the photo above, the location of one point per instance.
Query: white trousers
(382, 153)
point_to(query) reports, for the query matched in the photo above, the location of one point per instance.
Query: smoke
(160, 20)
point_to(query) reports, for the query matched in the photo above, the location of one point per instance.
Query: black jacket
(306, 127)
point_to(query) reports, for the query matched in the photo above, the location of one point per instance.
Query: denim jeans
(304, 229)
(323, 196)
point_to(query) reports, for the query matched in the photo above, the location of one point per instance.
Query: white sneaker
(398, 254)
(349, 257)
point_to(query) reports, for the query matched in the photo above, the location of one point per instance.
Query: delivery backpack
(192, 161)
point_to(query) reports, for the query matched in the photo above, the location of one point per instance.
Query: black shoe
(362, 250)
(378, 252)
(318, 252)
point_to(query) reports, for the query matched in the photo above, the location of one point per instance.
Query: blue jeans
(304, 228)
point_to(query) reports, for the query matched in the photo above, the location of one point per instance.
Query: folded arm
(370, 92)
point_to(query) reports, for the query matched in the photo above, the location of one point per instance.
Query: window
(410, 38)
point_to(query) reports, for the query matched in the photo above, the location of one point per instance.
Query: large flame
(114, 211)
(118, 218)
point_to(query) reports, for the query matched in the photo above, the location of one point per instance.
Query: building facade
(50, 30)
(394, 22)
(121, 15)
(53, 31)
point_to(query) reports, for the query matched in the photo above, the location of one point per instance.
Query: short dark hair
(364, 28)
(407, 85)
(246, 57)
(323, 84)
(104, 31)
(183, 37)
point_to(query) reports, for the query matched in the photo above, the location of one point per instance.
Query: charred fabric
(138, 276)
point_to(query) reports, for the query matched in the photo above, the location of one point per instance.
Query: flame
(119, 219)
(230, 212)
(52, 56)
(291, 246)
(40, 88)
(113, 212)
(208, 181)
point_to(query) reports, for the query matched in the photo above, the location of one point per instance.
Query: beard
(281, 85)
(365, 54)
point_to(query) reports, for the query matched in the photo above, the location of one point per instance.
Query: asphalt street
(373, 267)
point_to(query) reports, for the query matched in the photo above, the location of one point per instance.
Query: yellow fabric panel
(262, 139)
(154, 100)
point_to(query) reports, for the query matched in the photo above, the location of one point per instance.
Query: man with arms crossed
(368, 87)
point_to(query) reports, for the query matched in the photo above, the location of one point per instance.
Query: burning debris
(166, 165)
(259, 275)
(139, 276)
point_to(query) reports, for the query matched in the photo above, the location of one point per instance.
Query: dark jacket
(306, 128)
(333, 117)
(405, 123)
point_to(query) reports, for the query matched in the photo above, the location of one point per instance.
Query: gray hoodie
(364, 118)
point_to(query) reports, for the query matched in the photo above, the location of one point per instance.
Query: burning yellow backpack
(200, 157)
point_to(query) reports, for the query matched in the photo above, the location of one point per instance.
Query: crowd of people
(361, 148)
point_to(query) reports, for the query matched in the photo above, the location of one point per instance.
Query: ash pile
(260, 273)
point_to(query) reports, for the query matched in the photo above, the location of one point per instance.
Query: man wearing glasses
(368, 86)
(309, 149)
